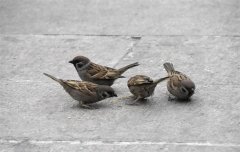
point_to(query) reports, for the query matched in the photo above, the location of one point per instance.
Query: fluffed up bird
(142, 86)
(89, 71)
(85, 92)
(179, 85)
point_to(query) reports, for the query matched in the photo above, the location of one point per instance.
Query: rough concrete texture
(201, 38)
(125, 17)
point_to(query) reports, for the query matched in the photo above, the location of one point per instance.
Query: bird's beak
(70, 62)
(115, 95)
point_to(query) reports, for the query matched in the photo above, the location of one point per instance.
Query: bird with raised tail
(142, 86)
(179, 85)
(85, 92)
(92, 72)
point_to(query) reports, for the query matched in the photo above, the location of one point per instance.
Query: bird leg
(126, 97)
(82, 105)
(171, 98)
(133, 102)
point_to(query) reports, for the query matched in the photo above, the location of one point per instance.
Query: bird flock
(97, 80)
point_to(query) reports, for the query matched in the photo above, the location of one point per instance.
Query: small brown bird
(85, 92)
(142, 86)
(89, 71)
(179, 85)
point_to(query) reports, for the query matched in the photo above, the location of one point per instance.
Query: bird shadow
(94, 106)
(183, 101)
(140, 102)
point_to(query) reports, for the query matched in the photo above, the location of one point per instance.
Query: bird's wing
(176, 78)
(139, 80)
(101, 72)
(86, 88)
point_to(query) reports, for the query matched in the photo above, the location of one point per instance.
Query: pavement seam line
(119, 143)
(43, 82)
(118, 35)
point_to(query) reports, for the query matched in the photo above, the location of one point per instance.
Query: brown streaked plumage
(85, 92)
(103, 75)
(142, 86)
(179, 85)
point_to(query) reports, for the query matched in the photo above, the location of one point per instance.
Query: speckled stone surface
(125, 17)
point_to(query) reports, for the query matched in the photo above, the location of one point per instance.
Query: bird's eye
(112, 94)
(80, 64)
(104, 95)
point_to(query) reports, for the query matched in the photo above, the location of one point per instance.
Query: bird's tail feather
(52, 77)
(123, 69)
(160, 80)
(169, 67)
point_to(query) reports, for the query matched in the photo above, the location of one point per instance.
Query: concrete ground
(201, 38)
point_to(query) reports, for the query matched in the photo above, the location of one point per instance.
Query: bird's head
(80, 61)
(187, 87)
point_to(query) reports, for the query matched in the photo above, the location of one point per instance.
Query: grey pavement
(201, 38)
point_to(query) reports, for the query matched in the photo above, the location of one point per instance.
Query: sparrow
(179, 85)
(85, 92)
(92, 72)
(142, 86)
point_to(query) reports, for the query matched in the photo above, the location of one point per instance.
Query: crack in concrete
(136, 40)
(119, 143)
